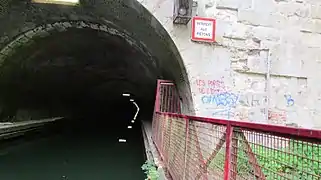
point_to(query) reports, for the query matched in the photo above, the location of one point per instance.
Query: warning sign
(203, 29)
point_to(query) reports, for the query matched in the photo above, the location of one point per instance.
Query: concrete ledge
(150, 149)
(10, 130)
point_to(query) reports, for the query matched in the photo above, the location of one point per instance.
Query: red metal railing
(194, 148)
(202, 148)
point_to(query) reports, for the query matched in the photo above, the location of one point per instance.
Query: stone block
(312, 25)
(249, 82)
(294, 9)
(257, 61)
(316, 11)
(225, 15)
(237, 31)
(286, 60)
(310, 39)
(264, 6)
(221, 27)
(252, 43)
(238, 54)
(234, 4)
(312, 2)
(262, 19)
(265, 33)
(233, 43)
(291, 36)
(266, 44)
(248, 17)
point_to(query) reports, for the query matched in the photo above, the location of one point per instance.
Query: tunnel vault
(61, 59)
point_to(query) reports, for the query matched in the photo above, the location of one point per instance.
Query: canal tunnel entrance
(63, 60)
(76, 62)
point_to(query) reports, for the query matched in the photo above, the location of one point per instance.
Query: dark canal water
(75, 151)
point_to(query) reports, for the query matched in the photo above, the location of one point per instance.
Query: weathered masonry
(264, 66)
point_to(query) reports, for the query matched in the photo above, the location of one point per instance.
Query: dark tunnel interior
(76, 62)
(77, 73)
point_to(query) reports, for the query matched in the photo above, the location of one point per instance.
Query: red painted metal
(167, 100)
(234, 151)
(244, 143)
(157, 103)
(186, 145)
(283, 131)
(205, 148)
(252, 159)
(227, 166)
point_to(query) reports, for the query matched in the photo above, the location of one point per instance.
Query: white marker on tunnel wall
(136, 111)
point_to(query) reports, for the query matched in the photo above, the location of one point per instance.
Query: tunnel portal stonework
(263, 67)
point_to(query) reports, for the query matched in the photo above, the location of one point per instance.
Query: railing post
(158, 95)
(169, 140)
(228, 153)
(186, 146)
(234, 146)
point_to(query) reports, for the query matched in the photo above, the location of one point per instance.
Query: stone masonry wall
(264, 67)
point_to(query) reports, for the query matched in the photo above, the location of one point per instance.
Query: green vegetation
(150, 170)
(295, 161)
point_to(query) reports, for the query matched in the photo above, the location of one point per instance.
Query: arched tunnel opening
(78, 72)
(76, 62)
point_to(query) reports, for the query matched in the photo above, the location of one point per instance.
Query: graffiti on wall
(220, 102)
(277, 117)
(226, 113)
(252, 99)
(210, 86)
(226, 99)
(214, 94)
(289, 100)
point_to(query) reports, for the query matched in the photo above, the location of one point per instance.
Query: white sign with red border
(203, 29)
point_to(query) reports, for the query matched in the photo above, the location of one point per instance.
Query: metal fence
(194, 148)
(167, 98)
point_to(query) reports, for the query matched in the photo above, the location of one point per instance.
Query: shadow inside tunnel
(81, 147)
(75, 149)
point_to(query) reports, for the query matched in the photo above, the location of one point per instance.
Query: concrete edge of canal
(10, 130)
(150, 149)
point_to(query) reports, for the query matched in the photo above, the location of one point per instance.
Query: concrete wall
(11, 130)
(233, 78)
